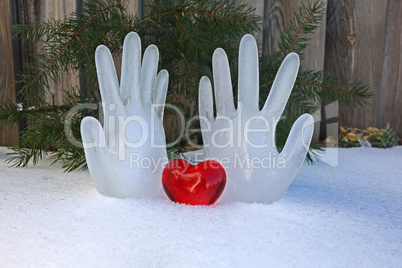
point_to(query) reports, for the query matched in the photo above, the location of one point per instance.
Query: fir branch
(303, 108)
(186, 33)
(121, 7)
(214, 15)
(184, 29)
(50, 62)
(187, 61)
(269, 83)
(348, 91)
(304, 22)
(155, 16)
(309, 17)
(181, 4)
(39, 34)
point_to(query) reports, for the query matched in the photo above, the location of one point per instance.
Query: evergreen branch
(299, 105)
(186, 32)
(267, 84)
(75, 36)
(184, 29)
(315, 86)
(77, 131)
(24, 155)
(122, 15)
(213, 15)
(189, 12)
(94, 16)
(45, 28)
(181, 4)
(50, 62)
(86, 53)
(154, 16)
(219, 43)
(305, 22)
(345, 92)
(188, 62)
(309, 17)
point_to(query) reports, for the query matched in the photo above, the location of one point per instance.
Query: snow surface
(345, 216)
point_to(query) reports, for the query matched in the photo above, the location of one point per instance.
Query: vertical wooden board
(31, 11)
(259, 11)
(28, 12)
(314, 53)
(277, 16)
(58, 10)
(390, 90)
(354, 50)
(131, 9)
(8, 136)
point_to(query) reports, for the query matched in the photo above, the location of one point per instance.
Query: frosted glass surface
(242, 139)
(126, 155)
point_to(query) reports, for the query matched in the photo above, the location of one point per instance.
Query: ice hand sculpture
(132, 129)
(243, 139)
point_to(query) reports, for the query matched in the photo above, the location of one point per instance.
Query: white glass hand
(126, 157)
(243, 139)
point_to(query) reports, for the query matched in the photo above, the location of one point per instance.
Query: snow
(344, 216)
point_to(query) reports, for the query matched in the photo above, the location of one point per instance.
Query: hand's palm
(243, 139)
(125, 157)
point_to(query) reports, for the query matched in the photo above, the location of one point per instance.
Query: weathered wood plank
(277, 16)
(58, 10)
(27, 12)
(17, 60)
(132, 9)
(8, 136)
(362, 42)
(31, 11)
(259, 11)
(390, 93)
(354, 51)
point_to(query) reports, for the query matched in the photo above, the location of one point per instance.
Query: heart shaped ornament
(200, 184)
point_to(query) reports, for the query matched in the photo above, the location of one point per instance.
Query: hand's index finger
(130, 67)
(222, 83)
(248, 74)
(107, 78)
(149, 70)
(282, 87)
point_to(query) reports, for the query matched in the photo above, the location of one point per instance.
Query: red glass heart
(201, 184)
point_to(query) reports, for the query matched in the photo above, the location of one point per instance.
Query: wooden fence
(358, 40)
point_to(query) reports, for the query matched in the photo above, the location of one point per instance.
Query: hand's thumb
(299, 139)
(94, 142)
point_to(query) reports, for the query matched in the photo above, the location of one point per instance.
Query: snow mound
(349, 215)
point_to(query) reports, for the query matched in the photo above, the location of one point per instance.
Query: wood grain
(8, 136)
(354, 51)
(390, 90)
(359, 40)
(31, 11)
(58, 10)
(259, 11)
(277, 16)
(132, 9)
